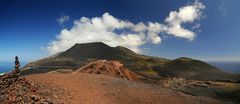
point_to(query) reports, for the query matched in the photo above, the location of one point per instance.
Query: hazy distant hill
(195, 69)
(233, 67)
(80, 54)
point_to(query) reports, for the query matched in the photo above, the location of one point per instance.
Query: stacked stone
(17, 66)
(15, 89)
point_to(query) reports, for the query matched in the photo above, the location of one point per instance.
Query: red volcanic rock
(16, 89)
(111, 68)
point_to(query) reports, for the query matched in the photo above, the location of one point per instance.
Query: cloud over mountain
(115, 32)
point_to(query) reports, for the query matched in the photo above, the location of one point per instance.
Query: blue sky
(28, 26)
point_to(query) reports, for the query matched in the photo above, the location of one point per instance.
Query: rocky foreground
(19, 90)
(83, 88)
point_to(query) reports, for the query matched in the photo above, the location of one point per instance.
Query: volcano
(148, 66)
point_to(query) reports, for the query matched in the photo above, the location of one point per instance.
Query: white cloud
(115, 32)
(178, 31)
(140, 27)
(62, 19)
(187, 14)
(156, 27)
(154, 38)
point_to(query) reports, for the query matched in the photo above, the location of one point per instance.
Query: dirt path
(83, 88)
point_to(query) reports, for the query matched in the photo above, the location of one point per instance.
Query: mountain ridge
(81, 54)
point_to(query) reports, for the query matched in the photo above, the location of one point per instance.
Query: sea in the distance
(232, 67)
(8, 66)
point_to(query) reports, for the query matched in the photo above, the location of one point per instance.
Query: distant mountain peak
(93, 44)
(184, 59)
(95, 50)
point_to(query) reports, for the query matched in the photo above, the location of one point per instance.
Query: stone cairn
(17, 65)
(15, 89)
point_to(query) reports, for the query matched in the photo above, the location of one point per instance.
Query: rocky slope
(111, 68)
